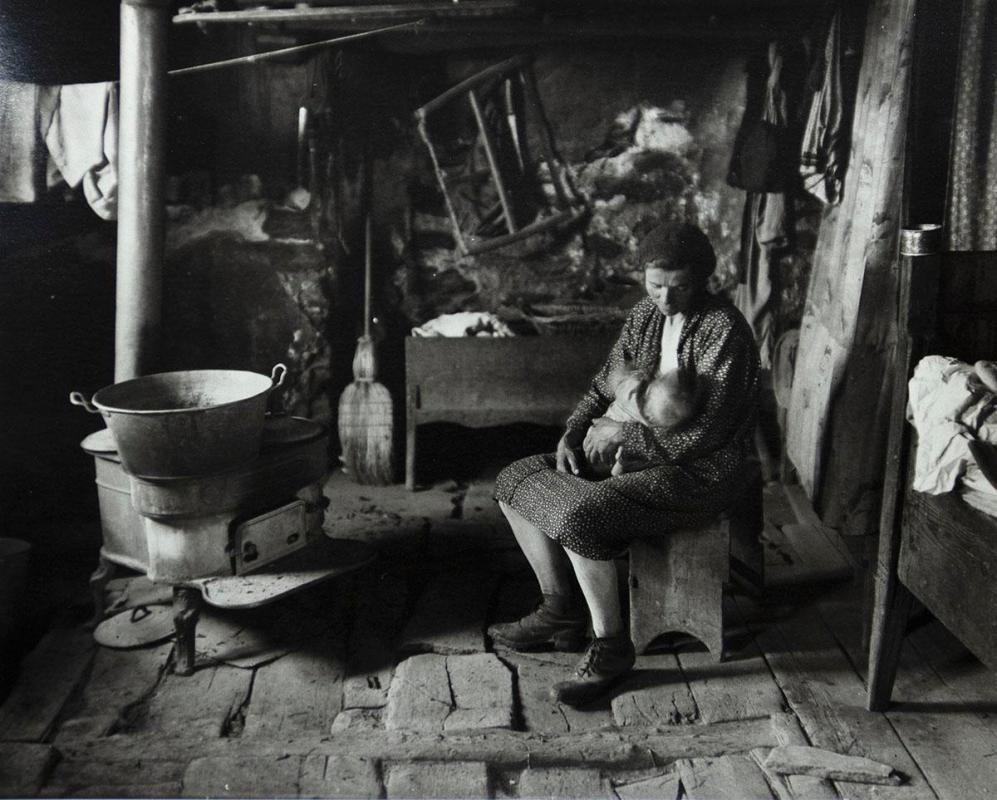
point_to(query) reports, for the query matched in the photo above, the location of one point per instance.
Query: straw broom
(365, 408)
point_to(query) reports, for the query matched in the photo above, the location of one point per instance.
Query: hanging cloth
(24, 108)
(765, 228)
(972, 194)
(762, 158)
(82, 141)
(822, 157)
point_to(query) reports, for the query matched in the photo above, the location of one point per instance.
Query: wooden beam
(630, 748)
(141, 186)
(354, 14)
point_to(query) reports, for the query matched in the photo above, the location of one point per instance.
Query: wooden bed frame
(935, 549)
(486, 381)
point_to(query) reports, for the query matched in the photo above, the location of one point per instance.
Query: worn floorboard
(449, 616)
(242, 776)
(656, 694)
(555, 782)
(735, 777)
(24, 767)
(941, 700)
(380, 611)
(300, 693)
(118, 680)
(48, 677)
(340, 777)
(535, 674)
(450, 693)
(206, 703)
(827, 695)
(443, 780)
(665, 786)
(739, 688)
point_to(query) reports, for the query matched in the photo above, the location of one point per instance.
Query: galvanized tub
(188, 423)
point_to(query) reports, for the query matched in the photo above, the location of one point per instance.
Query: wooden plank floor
(344, 712)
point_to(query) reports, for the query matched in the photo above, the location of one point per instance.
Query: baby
(662, 402)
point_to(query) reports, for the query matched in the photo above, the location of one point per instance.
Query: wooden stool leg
(186, 610)
(98, 584)
(677, 584)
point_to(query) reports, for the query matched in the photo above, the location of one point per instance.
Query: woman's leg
(600, 587)
(559, 621)
(611, 654)
(546, 557)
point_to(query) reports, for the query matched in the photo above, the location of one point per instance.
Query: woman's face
(672, 290)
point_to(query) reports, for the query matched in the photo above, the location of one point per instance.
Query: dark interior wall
(243, 120)
(244, 304)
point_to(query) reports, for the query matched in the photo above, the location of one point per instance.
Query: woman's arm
(726, 365)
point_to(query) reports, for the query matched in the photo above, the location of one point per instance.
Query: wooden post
(141, 186)
(918, 297)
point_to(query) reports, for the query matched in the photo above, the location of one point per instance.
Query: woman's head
(678, 260)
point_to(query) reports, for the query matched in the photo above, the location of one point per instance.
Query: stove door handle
(77, 399)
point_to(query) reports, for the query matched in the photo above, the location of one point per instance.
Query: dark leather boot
(605, 662)
(543, 629)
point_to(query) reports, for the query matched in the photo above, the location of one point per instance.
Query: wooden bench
(481, 382)
(677, 581)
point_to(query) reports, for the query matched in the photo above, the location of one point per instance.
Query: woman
(571, 528)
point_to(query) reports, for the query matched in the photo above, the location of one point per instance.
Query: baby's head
(670, 399)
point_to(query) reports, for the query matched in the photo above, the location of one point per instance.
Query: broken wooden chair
(677, 581)
(516, 70)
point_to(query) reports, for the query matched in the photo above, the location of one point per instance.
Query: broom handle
(366, 278)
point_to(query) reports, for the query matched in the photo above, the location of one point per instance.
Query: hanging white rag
(821, 159)
(82, 141)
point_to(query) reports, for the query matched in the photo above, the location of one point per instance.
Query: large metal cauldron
(183, 424)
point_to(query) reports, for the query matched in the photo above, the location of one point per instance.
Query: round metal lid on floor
(136, 627)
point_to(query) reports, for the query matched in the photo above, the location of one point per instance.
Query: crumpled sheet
(464, 323)
(945, 412)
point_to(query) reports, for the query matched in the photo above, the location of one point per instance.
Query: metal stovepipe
(141, 186)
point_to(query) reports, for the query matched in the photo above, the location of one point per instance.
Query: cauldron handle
(77, 399)
(278, 381)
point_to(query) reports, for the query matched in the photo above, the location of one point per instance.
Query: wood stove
(234, 539)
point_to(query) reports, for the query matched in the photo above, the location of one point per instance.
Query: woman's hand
(567, 452)
(603, 439)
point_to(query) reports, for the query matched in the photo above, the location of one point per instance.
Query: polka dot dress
(697, 468)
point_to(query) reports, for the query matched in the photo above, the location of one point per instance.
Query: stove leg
(186, 610)
(98, 584)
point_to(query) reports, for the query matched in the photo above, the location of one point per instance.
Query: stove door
(265, 538)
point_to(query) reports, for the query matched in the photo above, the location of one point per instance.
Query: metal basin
(189, 423)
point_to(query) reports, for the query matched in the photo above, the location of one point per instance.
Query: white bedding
(945, 411)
